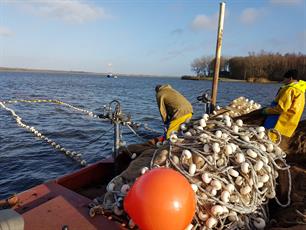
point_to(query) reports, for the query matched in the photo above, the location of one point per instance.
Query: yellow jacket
(290, 102)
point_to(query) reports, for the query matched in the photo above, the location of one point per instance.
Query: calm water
(26, 161)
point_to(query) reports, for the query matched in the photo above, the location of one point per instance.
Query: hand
(264, 111)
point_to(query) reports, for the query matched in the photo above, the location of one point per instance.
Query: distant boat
(110, 75)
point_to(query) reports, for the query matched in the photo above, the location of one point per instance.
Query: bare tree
(271, 66)
(201, 66)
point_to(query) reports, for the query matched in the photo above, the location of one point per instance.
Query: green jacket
(172, 104)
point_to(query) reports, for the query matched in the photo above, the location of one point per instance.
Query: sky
(153, 37)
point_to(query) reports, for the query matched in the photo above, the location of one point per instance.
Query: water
(26, 161)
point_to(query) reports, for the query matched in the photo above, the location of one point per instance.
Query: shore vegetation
(256, 67)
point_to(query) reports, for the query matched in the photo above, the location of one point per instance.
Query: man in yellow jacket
(174, 108)
(287, 108)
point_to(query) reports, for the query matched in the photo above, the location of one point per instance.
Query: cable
(96, 139)
(136, 134)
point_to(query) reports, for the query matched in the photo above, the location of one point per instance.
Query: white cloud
(202, 21)
(286, 2)
(73, 11)
(5, 32)
(251, 15)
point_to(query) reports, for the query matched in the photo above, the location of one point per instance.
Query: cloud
(286, 2)
(72, 11)
(202, 21)
(5, 32)
(251, 15)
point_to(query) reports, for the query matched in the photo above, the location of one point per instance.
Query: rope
(72, 154)
(146, 127)
(96, 139)
(55, 102)
(76, 156)
(134, 132)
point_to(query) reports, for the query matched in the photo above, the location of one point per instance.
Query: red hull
(64, 202)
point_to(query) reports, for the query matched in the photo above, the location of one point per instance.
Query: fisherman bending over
(287, 108)
(174, 108)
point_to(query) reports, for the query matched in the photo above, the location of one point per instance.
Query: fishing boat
(110, 75)
(63, 203)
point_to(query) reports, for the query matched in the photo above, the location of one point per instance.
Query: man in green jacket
(174, 108)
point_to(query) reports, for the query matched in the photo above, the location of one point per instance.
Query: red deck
(60, 203)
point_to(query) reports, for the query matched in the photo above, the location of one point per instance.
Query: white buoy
(211, 222)
(186, 153)
(225, 196)
(202, 123)
(217, 210)
(239, 123)
(218, 134)
(216, 184)
(259, 223)
(206, 177)
(216, 147)
(192, 169)
(233, 172)
(206, 148)
(125, 188)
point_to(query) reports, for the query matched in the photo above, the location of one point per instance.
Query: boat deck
(63, 203)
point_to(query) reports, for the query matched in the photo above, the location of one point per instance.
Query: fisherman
(174, 108)
(286, 110)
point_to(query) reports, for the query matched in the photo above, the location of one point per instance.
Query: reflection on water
(26, 161)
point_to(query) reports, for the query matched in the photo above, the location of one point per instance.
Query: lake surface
(26, 161)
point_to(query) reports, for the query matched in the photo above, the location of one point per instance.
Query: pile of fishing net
(232, 168)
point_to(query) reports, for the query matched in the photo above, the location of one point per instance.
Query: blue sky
(158, 37)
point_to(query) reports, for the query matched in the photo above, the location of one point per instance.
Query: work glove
(264, 111)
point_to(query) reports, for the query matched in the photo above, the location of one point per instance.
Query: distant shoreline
(28, 70)
(8, 69)
(224, 79)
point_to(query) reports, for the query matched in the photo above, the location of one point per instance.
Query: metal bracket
(205, 99)
(117, 118)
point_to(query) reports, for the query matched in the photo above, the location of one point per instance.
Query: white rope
(76, 156)
(89, 113)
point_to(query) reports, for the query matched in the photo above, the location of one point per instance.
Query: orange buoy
(161, 199)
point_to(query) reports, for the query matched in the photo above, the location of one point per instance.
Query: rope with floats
(89, 113)
(76, 156)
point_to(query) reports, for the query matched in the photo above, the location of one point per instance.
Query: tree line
(254, 67)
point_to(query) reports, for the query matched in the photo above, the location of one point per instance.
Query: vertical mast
(217, 57)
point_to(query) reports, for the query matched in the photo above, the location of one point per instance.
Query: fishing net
(232, 167)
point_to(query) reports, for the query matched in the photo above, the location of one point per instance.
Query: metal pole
(217, 57)
(116, 139)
